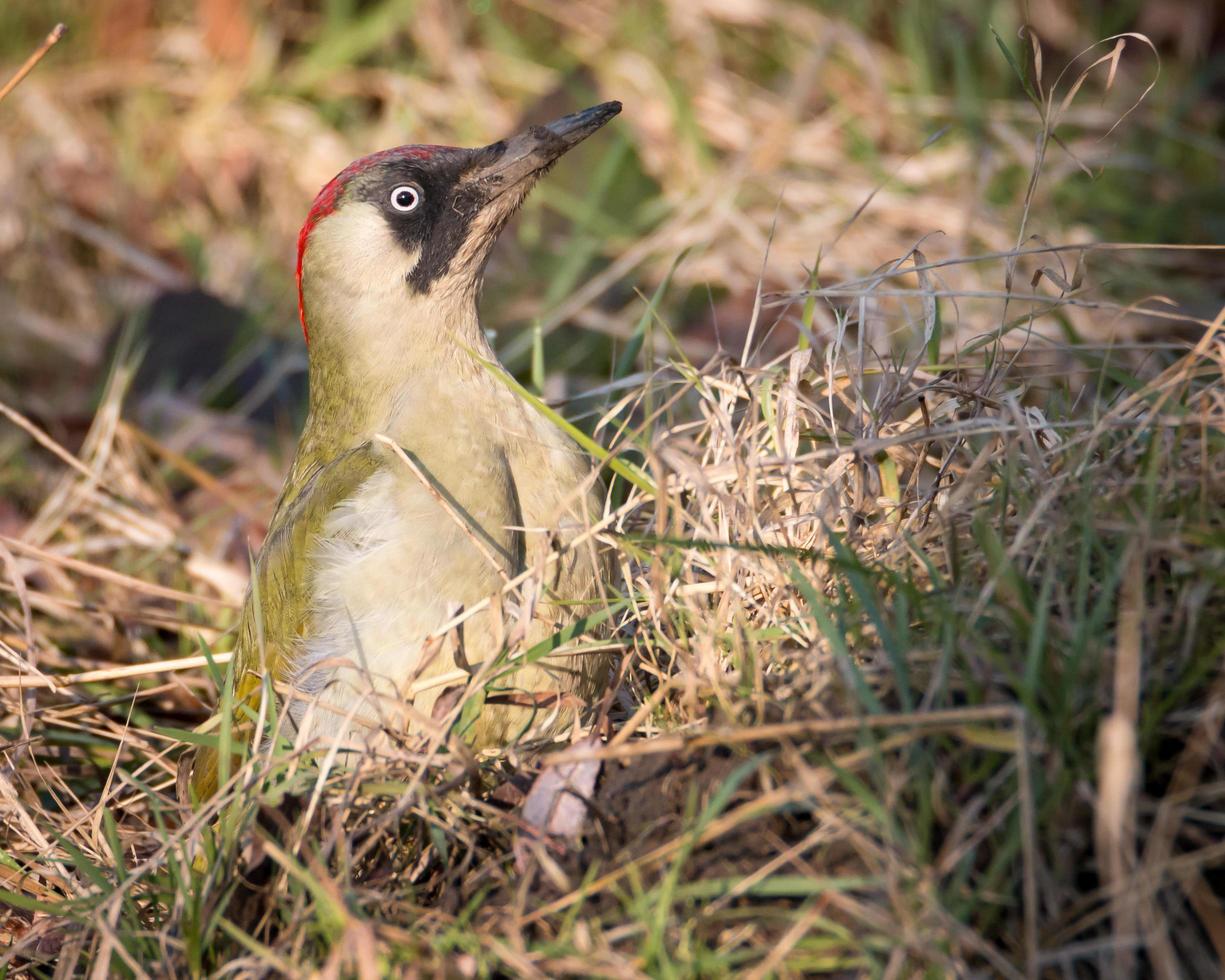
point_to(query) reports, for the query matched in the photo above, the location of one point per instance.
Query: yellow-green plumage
(369, 553)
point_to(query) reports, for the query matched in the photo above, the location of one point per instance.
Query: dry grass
(921, 582)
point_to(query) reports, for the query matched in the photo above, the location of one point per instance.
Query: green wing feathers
(276, 611)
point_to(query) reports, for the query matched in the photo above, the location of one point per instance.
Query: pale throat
(374, 341)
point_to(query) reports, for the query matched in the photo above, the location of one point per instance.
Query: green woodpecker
(422, 483)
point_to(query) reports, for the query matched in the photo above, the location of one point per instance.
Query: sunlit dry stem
(10, 682)
(57, 32)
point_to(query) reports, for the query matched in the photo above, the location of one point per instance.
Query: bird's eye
(406, 198)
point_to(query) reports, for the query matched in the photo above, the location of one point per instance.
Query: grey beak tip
(579, 125)
(538, 147)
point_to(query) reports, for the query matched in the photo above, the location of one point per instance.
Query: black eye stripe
(437, 225)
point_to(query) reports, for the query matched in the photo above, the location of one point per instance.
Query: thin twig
(57, 32)
(117, 578)
(475, 533)
(10, 682)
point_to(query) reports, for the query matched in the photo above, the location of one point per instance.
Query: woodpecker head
(405, 232)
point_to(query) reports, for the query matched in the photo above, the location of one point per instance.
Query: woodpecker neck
(376, 343)
(369, 358)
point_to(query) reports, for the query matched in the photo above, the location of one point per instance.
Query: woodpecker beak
(536, 149)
